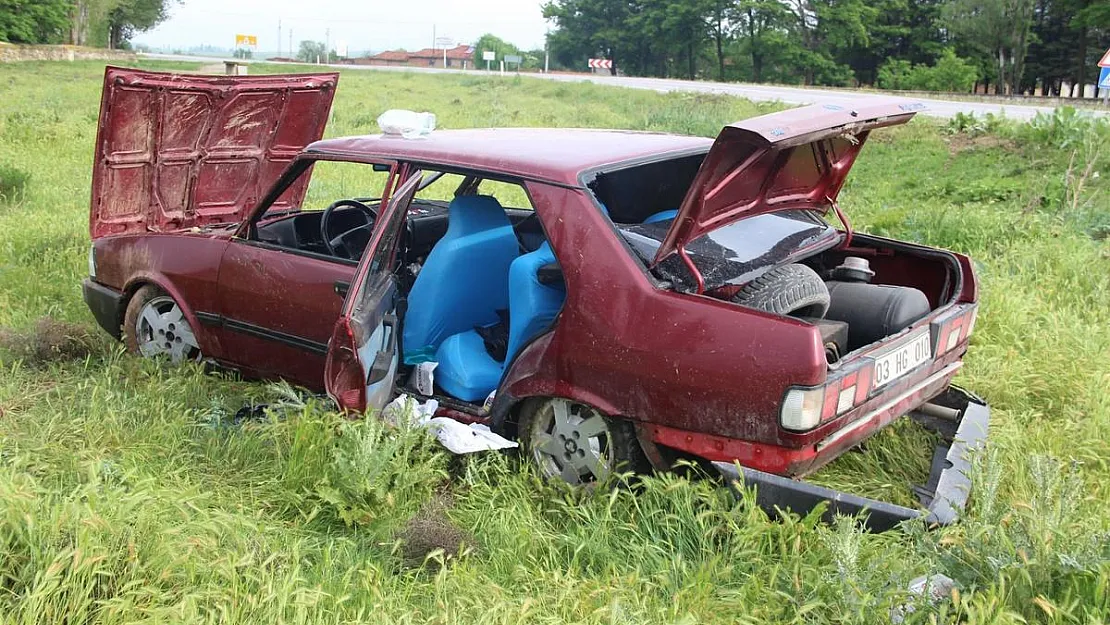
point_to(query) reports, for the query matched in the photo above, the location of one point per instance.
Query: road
(759, 93)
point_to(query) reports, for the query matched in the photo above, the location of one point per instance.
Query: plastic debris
(458, 438)
(422, 378)
(934, 588)
(408, 124)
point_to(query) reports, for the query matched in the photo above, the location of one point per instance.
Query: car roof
(557, 155)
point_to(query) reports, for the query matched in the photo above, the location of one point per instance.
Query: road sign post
(600, 64)
(488, 56)
(1104, 77)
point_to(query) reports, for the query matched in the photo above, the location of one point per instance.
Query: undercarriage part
(944, 496)
(874, 311)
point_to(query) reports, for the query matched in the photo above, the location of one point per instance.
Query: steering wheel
(337, 246)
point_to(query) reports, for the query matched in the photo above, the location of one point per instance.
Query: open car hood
(178, 150)
(796, 159)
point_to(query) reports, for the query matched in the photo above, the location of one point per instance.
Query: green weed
(130, 492)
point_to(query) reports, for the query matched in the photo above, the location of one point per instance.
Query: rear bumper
(944, 496)
(105, 304)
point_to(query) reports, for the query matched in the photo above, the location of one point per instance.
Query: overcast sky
(363, 24)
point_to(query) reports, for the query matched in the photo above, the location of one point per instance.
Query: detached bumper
(961, 419)
(105, 304)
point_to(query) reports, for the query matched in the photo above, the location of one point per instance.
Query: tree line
(1000, 46)
(101, 23)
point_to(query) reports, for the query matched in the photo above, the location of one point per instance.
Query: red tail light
(955, 328)
(343, 375)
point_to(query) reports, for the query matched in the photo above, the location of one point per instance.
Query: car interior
(481, 280)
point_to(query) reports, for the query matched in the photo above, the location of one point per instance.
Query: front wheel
(576, 443)
(154, 326)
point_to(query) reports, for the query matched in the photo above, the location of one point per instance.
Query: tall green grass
(132, 493)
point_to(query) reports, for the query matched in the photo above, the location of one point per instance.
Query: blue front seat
(466, 371)
(464, 281)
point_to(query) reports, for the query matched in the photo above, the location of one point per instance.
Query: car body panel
(176, 151)
(554, 155)
(794, 159)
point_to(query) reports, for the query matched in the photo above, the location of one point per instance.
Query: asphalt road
(758, 93)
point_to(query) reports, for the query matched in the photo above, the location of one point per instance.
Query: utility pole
(327, 46)
(279, 38)
(291, 54)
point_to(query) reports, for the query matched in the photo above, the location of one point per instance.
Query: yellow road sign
(246, 41)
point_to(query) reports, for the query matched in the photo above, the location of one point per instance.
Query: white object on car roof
(408, 124)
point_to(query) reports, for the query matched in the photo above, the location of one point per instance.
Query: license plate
(902, 359)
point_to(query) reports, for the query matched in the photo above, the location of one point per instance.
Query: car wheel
(788, 290)
(154, 326)
(575, 442)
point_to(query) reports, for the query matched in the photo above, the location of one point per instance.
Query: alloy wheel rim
(573, 442)
(163, 331)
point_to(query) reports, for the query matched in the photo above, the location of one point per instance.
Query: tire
(788, 290)
(550, 431)
(154, 326)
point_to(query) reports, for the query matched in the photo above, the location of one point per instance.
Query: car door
(364, 351)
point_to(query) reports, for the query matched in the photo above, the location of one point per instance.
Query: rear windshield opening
(635, 194)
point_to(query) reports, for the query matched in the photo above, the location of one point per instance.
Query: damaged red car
(624, 298)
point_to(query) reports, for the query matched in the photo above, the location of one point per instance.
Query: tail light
(954, 328)
(343, 374)
(805, 408)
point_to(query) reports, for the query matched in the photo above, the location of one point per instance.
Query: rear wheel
(576, 443)
(155, 326)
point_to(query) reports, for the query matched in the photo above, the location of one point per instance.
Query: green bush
(950, 73)
(13, 182)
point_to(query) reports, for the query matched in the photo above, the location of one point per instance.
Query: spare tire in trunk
(787, 290)
(874, 311)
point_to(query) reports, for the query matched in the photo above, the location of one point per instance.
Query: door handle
(341, 288)
(383, 361)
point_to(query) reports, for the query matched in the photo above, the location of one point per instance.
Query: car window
(334, 180)
(445, 185)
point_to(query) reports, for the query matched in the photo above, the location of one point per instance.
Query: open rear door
(364, 352)
(176, 151)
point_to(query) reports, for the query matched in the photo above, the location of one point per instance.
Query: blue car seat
(662, 216)
(464, 281)
(466, 371)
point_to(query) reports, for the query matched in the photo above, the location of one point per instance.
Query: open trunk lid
(176, 151)
(796, 159)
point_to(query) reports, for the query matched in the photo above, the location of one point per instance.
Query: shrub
(950, 73)
(13, 183)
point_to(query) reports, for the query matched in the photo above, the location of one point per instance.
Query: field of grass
(130, 493)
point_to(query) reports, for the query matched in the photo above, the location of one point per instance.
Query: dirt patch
(48, 341)
(961, 142)
(430, 530)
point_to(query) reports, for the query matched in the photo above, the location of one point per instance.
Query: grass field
(128, 493)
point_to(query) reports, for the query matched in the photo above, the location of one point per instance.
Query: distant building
(459, 56)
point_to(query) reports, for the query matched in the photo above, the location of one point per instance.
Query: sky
(363, 24)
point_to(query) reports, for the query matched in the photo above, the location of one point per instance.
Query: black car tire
(787, 290)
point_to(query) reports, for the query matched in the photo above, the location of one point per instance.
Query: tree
(311, 52)
(591, 28)
(763, 23)
(33, 21)
(134, 16)
(998, 26)
(494, 44)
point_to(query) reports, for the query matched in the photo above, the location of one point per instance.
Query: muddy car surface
(624, 297)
